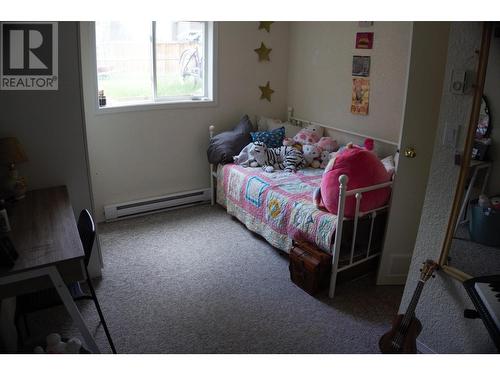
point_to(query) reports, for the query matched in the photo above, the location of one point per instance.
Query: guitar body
(402, 338)
(409, 340)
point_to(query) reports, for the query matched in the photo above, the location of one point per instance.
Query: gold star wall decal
(265, 25)
(263, 52)
(266, 91)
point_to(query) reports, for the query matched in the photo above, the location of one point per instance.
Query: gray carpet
(472, 257)
(197, 281)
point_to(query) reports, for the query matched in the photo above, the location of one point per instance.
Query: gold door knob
(410, 152)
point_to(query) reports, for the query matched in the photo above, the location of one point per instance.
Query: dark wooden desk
(45, 235)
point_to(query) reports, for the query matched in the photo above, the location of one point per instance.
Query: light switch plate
(450, 135)
(458, 81)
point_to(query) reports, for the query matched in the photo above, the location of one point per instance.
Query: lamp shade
(11, 151)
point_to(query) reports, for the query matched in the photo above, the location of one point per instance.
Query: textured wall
(493, 94)
(140, 154)
(319, 75)
(443, 300)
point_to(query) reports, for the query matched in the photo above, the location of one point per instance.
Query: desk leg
(70, 305)
(63, 292)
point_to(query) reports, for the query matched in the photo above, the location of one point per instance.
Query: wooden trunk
(310, 267)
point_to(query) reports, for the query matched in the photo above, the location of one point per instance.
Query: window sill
(138, 107)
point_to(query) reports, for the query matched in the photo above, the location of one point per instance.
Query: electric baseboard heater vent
(155, 204)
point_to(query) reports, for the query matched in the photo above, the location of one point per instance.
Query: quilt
(276, 205)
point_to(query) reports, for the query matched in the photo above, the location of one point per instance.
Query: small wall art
(365, 23)
(265, 25)
(263, 52)
(361, 66)
(266, 91)
(364, 40)
(360, 96)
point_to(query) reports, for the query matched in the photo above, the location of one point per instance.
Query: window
(153, 62)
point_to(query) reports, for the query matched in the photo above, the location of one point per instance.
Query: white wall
(141, 154)
(320, 80)
(443, 300)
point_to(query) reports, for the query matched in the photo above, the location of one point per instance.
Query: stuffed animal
(316, 129)
(328, 144)
(243, 158)
(287, 158)
(362, 168)
(325, 158)
(309, 135)
(290, 142)
(312, 154)
(56, 346)
(369, 144)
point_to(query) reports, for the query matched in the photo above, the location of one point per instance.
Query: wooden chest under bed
(310, 267)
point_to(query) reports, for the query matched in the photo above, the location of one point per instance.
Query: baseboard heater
(155, 204)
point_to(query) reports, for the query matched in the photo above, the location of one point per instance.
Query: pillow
(363, 169)
(225, 145)
(389, 164)
(272, 139)
(266, 123)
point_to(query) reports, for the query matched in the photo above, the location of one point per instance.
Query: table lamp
(12, 153)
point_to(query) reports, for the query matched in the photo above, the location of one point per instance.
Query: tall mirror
(472, 247)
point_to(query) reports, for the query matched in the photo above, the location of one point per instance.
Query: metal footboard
(358, 194)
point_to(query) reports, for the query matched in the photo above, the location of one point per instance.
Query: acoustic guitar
(402, 338)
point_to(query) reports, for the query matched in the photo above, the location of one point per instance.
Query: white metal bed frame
(343, 194)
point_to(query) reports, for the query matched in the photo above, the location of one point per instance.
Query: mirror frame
(467, 154)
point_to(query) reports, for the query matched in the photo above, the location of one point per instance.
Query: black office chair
(32, 302)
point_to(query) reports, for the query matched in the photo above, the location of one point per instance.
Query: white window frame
(210, 79)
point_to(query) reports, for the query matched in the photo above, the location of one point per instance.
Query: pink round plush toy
(306, 136)
(362, 169)
(328, 144)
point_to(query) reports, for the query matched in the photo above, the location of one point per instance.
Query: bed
(279, 207)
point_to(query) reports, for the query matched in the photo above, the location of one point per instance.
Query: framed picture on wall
(361, 66)
(360, 96)
(364, 40)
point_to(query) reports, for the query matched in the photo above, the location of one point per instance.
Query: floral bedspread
(277, 205)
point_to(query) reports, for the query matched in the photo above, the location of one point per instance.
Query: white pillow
(267, 124)
(389, 164)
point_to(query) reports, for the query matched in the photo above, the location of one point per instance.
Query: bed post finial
(211, 130)
(343, 180)
(289, 114)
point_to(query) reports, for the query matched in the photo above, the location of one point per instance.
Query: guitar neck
(410, 311)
